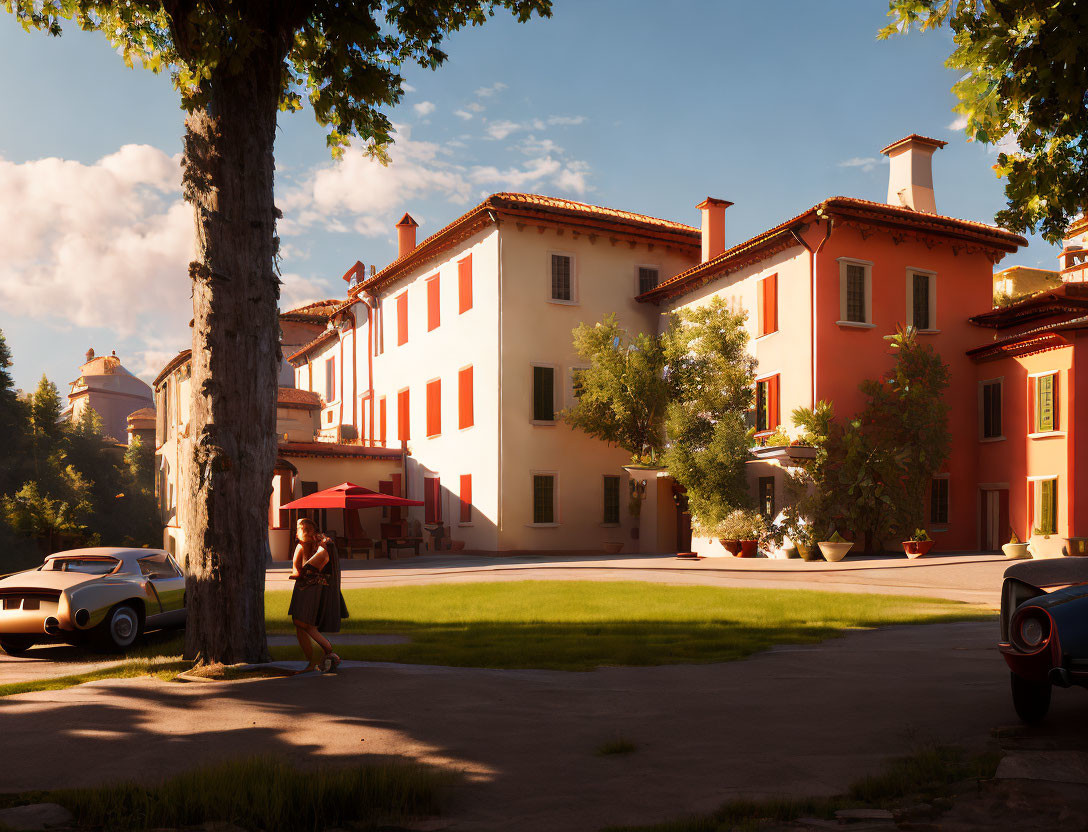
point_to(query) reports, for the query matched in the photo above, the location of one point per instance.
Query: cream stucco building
(114, 393)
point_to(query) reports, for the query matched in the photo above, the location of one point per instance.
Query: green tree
(623, 393)
(14, 425)
(46, 431)
(33, 512)
(236, 66)
(710, 374)
(1024, 77)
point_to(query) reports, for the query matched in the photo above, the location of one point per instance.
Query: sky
(631, 104)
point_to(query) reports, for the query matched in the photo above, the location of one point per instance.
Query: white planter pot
(1016, 551)
(834, 552)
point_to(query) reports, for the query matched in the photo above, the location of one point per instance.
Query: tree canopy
(1024, 86)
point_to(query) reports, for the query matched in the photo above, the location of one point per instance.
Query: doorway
(994, 518)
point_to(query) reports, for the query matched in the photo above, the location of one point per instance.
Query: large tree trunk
(227, 478)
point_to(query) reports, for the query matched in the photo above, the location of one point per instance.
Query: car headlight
(1031, 629)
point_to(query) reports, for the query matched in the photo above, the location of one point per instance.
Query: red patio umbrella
(348, 495)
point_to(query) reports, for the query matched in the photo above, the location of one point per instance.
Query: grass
(618, 746)
(925, 776)
(164, 668)
(572, 625)
(258, 793)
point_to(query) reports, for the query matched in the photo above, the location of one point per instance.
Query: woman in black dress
(317, 605)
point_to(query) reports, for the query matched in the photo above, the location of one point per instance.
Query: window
(465, 497)
(921, 305)
(402, 318)
(404, 422)
(648, 278)
(561, 278)
(990, 409)
(464, 285)
(543, 394)
(767, 404)
(768, 305)
(381, 420)
(938, 501)
(543, 498)
(434, 407)
(1046, 508)
(465, 416)
(432, 500)
(1046, 403)
(330, 380)
(766, 497)
(434, 311)
(611, 499)
(855, 292)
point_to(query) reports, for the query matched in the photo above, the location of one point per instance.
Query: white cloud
(475, 107)
(566, 120)
(99, 245)
(298, 290)
(499, 130)
(423, 108)
(463, 114)
(866, 163)
(487, 92)
(960, 123)
(407, 88)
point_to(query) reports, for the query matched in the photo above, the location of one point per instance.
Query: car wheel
(1031, 699)
(121, 628)
(16, 645)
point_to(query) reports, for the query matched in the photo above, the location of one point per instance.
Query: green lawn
(576, 625)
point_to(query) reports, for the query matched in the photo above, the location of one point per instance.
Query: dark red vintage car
(1044, 630)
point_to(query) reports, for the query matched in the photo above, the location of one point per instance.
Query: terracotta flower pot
(731, 546)
(749, 548)
(1016, 551)
(457, 545)
(834, 552)
(613, 547)
(917, 548)
(807, 551)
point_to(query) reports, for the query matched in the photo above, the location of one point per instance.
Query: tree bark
(231, 448)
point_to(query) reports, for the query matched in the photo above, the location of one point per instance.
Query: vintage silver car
(103, 596)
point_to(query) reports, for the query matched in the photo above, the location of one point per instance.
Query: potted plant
(804, 541)
(729, 531)
(752, 527)
(613, 547)
(835, 548)
(919, 544)
(1015, 549)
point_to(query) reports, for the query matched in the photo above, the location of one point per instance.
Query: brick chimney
(406, 235)
(910, 177)
(713, 226)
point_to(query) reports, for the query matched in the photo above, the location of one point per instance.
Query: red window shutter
(464, 284)
(772, 403)
(432, 506)
(402, 318)
(434, 312)
(761, 308)
(381, 419)
(770, 304)
(434, 407)
(404, 421)
(466, 498)
(464, 398)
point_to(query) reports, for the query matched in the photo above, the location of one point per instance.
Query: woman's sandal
(330, 664)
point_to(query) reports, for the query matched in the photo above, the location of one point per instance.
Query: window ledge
(767, 334)
(610, 525)
(433, 435)
(467, 427)
(856, 324)
(543, 424)
(1046, 434)
(468, 525)
(992, 439)
(561, 302)
(542, 525)
(928, 331)
(938, 528)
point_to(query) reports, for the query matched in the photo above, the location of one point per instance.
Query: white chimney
(910, 178)
(713, 226)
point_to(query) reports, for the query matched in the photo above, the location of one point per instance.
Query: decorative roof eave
(171, 365)
(601, 226)
(1023, 345)
(327, 335)
(319, 450)
(962, 240)
(1068, 298)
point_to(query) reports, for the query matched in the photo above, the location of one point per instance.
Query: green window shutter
(543, 499)
(1048, 505)
(611, 499)
(1045, 399)
(543, 394)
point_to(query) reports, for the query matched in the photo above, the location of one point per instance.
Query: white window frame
(555, 394)
(1000, 381)
(557, 519)
(932, 275)
(1037, 500)
(655, 266)
(1033, 379)
(868, 266)
(574, 300)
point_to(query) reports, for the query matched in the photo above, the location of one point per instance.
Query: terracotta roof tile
(317, 309)
(328, 334)
(300, 398)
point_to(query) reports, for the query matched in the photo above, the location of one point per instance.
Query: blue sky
(630, 104)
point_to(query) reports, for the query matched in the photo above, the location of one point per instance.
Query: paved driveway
(791, 721)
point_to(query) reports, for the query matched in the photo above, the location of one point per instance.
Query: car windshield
(89, 566)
